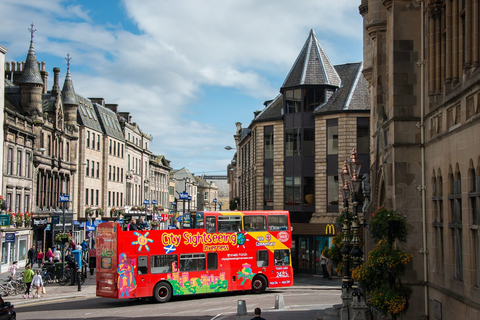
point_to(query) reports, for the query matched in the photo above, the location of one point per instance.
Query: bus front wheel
(259, 284)
(162, 292)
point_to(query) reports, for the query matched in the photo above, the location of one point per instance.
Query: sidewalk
(301, 282)
(54, 291)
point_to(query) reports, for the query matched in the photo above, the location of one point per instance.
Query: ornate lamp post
(351, 247)
(346, 281)
(354, 166)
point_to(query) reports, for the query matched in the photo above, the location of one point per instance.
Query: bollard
(241, 308)
(279, 304)
(78, 280)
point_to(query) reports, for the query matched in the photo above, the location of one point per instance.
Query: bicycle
(65, 277)
(12, 286)
(46, 277)
(6, 290)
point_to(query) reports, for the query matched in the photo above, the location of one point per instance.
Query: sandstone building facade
(289, 156)
(421, 59)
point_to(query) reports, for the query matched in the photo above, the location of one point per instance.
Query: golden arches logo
(330, 229)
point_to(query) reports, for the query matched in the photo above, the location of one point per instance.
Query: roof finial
(68, 58)
(32, 31)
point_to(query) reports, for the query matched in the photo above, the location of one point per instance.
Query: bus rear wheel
(259, 284)
(162, 292)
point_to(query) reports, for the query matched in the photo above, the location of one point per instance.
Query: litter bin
(78, 256)
(58, 269)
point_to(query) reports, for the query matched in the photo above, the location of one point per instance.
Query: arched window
(455, 199)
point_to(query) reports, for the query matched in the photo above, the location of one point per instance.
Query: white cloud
(159, 73)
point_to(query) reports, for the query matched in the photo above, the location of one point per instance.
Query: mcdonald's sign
(330, 229)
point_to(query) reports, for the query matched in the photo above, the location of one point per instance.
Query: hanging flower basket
(388, 224)
(100, 212)
(63, 238)
(89, 211)
(113, 212)
(3, 204)
(120, 212)
(154, 224)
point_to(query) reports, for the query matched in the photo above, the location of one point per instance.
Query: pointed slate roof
(31, 71)
(353, 95)
(68, 93)
(312, 67)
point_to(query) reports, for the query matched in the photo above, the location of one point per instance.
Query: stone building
(159, 183)
(102, 179)
(290, 155)
(421, 59)
(137, 153)
(207, 194)
(41, 141)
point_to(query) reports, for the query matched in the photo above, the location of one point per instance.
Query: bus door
(144, 288)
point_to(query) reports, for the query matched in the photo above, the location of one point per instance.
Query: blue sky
(186, 70)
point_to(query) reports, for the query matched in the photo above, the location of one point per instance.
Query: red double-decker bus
(218, 252)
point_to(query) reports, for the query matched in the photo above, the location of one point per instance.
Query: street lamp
(229, 148)
(351, 188)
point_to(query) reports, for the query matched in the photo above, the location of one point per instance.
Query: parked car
(6, 311)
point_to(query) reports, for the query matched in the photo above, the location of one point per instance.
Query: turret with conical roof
(69, 98)
(31, 83)
(312, 67)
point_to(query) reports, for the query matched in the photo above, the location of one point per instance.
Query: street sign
(183, 195)
(220, 203)
(189, 198)
(10, 237)
(64, 198)
(55, 219)
(4, 219)
(146, 201)
(215, 200)
(154, 201)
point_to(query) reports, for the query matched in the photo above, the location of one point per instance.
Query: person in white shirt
(38, 283)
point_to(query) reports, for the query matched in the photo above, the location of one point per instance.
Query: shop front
(309, 240)
(14, 247)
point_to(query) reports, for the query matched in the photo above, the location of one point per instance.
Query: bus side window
(211, 224)
(262, 258)
(163, 263)
(255, 223)
(212, 261)
(192, 262)
(278, 223)
(282, 257)
(229, 224)
(142, 267)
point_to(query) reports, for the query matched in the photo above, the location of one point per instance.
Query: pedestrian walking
(30, 256)
(49, 255)
(37, 283)
(72, 263)
(257, 314)
(27, 278)
(323, 264)
(329, 268)
(40, 258)
(13, 269)
(57, 254)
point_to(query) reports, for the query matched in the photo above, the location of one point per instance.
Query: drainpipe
(424, 250)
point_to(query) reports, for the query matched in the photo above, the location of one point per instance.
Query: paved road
(307, 299)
